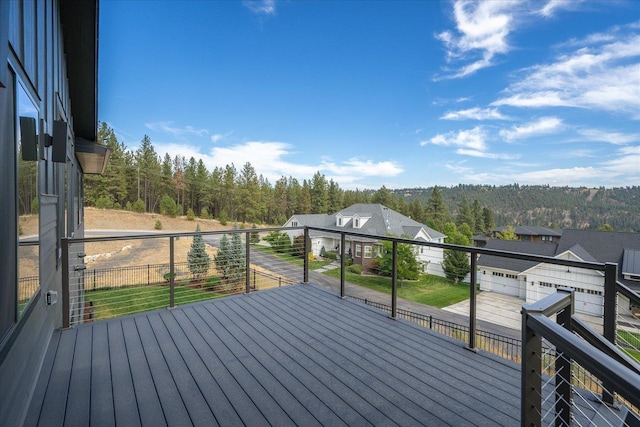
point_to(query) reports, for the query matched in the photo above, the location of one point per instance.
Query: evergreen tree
(437, 212)
(319, 194)
(231, 261)
(197, 257)
(465, 215)
(478, 219)
(487, 218)
(456, 264)
(305, 198)
(508, 233)
(335, 197)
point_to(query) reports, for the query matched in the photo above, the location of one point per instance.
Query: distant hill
(558, 207)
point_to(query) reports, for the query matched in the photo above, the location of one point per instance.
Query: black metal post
(342, 272)
(564, 396)
(65, 283)
(610, 316)
(306, 256)
(247, 238)
(148, 275)
(171, 274)
(472, 302)
(394, 280)
(531, 385)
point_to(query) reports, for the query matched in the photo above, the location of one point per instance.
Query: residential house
(525, 233)
(48, 117)
(372, 219)
(532, 281)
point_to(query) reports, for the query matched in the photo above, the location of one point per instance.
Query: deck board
(297, 355)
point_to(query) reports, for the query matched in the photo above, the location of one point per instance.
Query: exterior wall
(543, 279)
(502, 282)
(34, 61)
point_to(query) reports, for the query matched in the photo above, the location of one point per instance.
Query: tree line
(144, 181)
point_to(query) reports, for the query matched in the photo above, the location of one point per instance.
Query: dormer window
(339, 221)
(356, 223)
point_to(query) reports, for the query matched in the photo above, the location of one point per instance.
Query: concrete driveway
(491, 307)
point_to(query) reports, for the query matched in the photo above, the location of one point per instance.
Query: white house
(372, 219)
(532, 281)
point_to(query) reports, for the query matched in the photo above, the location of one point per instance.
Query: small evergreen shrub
(191, 215)
(158, 225)
(128, 206)
(323, 252)
(139, 206)
(355, 268)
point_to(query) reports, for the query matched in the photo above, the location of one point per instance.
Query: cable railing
(553, 391)
(243, 261)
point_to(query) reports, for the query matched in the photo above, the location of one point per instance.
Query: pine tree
(231, 261)
(407, 265)
(197, 257)
(437, 212)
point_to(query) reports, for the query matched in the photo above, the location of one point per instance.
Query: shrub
(213, 281)
(355, 268)
(191, 214)
(204, 213)
(167, 276)
(254, 236)
(20, 231)
(35, 204)
(323, 252)
(104, 202)
(139, 206)
(279, 241)
(330, 255)
(158, 225)
(128, 206)
(168, 206)
(223, 218)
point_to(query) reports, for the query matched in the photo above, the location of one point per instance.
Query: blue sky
(372, 93)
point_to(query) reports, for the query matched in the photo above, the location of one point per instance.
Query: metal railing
(553, 398)
(77, 281)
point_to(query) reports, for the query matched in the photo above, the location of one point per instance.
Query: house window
(339, 221)
(294, 223)
(495, 273)
(511, 276)
(358, 250)
(356, 223)
(367, 251)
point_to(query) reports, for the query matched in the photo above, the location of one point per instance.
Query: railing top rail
(471, 249)
(593, 360)
(134, 235)
(628, 292)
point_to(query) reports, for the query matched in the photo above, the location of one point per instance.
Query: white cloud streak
(473, 139)
(178, 132)
(475, 114)
(542, 126)
(482, 30)
(261, 7)
(603, 76)
(615, 138)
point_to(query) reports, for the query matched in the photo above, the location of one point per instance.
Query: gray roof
(518, 265)
(531, 230)
(382, 221)
(589, 245)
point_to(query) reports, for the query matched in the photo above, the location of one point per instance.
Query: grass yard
(109, 303)
(313, 264)
(429, 290)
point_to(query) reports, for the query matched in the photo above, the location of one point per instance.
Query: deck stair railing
(551, 393)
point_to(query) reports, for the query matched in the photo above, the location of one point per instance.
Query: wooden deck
(296, 355)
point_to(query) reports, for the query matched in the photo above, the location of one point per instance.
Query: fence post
(94, 279)
(531, 386)
(305, 278)
(65, 283)
(171, 274)
(610, 315)
(342, 272)
(394, 279)
(564, 396)
(472, 302)
(247, 267)
(148, 275)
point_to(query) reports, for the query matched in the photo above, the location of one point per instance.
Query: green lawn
(109, 303)
(313, 264)
(632, 339)
(430, 290)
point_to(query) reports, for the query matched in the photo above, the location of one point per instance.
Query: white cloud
(482, 30)
(261, 7)
(168, 127)
(628, 162)
(475, 114)
(270, 159)
(485, 155)
(604, 75)
(544, 125)
(472, 139)
(215, 138)
(552, 5)
(615, 138)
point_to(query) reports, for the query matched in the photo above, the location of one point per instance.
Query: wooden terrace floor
(296, 355)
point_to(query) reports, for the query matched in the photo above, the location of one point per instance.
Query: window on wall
(367, 251)
(28, 199)
(358, 250)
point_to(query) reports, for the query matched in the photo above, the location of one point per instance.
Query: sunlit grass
(430, 290)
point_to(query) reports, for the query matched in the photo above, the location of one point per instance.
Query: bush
(204, 213)
(279, 241)
(168, 206)
(330, 255)
(35, 204)
(139, 206)
(167, 276)
(104, 202)
(128, 206)
(213, 281)
(355, 268)
(158, 225)
(254, 236)
(20, 231)
(191, 214)
(223, 218)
